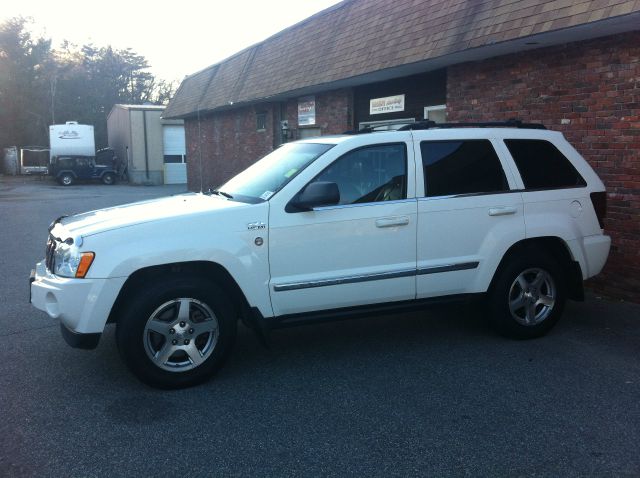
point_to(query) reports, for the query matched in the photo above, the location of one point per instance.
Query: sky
(178, 38)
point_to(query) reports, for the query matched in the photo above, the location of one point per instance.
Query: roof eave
(587, 31)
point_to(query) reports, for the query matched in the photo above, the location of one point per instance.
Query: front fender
(222, 239)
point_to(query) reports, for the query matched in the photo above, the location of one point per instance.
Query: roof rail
(428, 124)
(376, 127)
(511, 123)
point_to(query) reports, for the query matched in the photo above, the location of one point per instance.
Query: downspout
(146, 151)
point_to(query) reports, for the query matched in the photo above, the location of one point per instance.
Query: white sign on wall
(390, 104)
(307, 111)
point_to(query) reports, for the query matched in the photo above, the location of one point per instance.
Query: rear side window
(461, 167)
(65, 163)
(542, 165)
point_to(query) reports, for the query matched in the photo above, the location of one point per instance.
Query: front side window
(542, 165)
(263, 179)
(461, 167)
(370, 174)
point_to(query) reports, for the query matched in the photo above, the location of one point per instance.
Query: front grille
(51, 248)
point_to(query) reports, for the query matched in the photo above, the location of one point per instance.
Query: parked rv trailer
(71, 138)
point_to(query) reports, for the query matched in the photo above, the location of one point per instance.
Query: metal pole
(146, 152)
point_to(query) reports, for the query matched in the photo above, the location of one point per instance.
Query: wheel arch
(559, 250)
(202, 269)
(65, 171)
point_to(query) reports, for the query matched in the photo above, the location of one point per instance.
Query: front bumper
(81, 305)
(79, 341)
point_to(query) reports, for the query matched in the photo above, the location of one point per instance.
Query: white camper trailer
(71, 138)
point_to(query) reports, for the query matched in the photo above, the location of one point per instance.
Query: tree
(113, 76)
(41, 86)
(25, 64)
(163, 91)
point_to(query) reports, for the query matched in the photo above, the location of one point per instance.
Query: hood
(101, 220)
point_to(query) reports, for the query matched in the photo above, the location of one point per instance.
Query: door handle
(392, 221)
(502, 211)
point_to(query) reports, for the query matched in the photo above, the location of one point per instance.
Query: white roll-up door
(173, 138)
(174, 145)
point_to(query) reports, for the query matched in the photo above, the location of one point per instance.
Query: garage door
(173, 140)
(175, 168)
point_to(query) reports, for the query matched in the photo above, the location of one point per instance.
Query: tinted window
(105, 156)
(374, 173)
(461, 167)
(542, 165)
(65, 162)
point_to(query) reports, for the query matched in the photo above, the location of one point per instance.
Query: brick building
(573, 65)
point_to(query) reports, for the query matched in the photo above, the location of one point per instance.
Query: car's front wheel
(177, 333)
(528, 295)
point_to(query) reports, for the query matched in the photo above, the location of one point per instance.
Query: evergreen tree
(40, 86)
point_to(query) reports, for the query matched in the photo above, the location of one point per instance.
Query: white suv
(332, 227)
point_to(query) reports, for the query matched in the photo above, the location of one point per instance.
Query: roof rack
(376, 127)
(511, 123)
(428, 124)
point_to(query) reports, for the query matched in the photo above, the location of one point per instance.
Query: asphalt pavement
(432, 393)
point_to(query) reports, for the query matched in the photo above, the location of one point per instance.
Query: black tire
(527, 296)
(108, 179)
(158, 307)
(66, 179)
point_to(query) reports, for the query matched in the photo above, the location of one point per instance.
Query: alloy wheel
(532, 296)
(181, 334)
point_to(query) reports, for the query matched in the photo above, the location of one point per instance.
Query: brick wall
(224, 143)
(591, 92)
(334, 112)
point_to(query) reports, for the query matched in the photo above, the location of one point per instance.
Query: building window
(437, 113)
(305, 133)
(385, 125)
(261, 121)
(174, 158)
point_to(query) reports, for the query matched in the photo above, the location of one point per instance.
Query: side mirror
(315, 194)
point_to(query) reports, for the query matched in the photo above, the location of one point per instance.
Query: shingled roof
(356, 38)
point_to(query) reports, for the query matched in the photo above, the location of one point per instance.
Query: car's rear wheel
(108, 179)
(66, 179)
(177, 333)
(527, 297)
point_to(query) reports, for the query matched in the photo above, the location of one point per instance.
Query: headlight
(70, 262)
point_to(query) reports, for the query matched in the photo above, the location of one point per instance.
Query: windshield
(266, 177)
